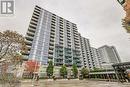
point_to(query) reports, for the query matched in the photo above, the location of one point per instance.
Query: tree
(84, 72)
(10, 43)
(126, 24)
(11, 46)
(74, 70)
(31, 66)
(50, 69)
(126, 20)
(63, 71)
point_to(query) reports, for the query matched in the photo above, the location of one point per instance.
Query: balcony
(76, 35)
(60, 58)
(37, 7)
(68, 55)
(28, 42)
(50, 51)
(60, 54)
(61, 30)
(28, 46)
(77, 47)
(31, 30)
(52, 40)
(69, 41)
(69, 59)
(76, 38)
(77, 44)
(30, 38)
(30, 33)
(53, 24)
(61, 41)
(52, 30)
(34, 19)
(76, 41)
(36, 11)
(32, 25)
(68, 64)
(78, 61)
(61, 33)
(61, 44)
(52, 36)
(52, 33)
(36, 14)
(58, 62)
(61, 36)
(76, 57)
(51, 47)
(60, 49)
(51, 44)
(50, 56)
(61, 27)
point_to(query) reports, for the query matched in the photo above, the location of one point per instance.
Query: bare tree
(12, 45)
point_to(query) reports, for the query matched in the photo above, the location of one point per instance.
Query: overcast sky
(98, 20)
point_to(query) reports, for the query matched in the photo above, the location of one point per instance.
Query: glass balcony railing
(29, 38)
(68, 64)
(57, 62)
(50, 56)
(61, 58)
(77, 61)
(28, 41)
(68, 55)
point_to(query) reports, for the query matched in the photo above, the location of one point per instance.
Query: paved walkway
(76, 83)
(73, 83)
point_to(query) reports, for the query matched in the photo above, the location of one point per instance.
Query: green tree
(50, 69)
(74, 70)
(63, 71)
(84, 72)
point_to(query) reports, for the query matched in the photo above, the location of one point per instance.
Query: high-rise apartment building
(96, 59)
(50, 37)
(86, 53)
(109, 54)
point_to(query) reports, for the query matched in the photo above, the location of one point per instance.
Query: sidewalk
(74, 83)
(41, 80)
